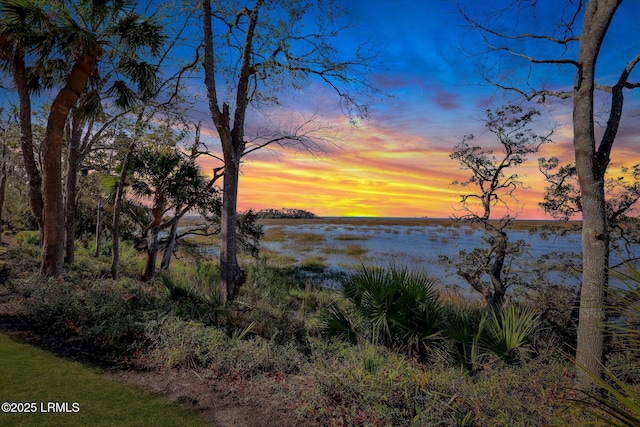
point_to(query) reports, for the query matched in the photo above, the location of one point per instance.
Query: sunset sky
(397, 163)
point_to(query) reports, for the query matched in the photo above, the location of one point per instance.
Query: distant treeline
(284, 213)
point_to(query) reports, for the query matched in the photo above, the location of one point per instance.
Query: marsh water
(339, 245)
(343, 246)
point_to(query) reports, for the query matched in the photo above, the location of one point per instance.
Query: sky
(396, 163)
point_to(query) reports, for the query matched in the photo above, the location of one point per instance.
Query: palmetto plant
(399, 309)
(462, 327)
(170, 180)
(506, 332)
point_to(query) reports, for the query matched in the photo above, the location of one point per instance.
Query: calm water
(405, 245)
(412, 245)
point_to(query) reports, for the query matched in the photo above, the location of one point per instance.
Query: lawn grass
(30, 375)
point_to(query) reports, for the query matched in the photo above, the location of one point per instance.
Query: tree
(14, 41)
(492, 183)
(7, 136)
(264, 50)
(563, 201)
(72, 36)
(580, 49)
(170, 180)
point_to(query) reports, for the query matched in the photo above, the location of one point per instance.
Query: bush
(400, 309)
(103, 314)
(365, 385)
(185, 343)
(507, 332)
(194, 344)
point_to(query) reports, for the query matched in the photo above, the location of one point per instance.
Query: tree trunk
(99, 219)
(26, 140)
(3, 182)
(53, 243)
(595, 237)
(171, 243)
(70, 201)
(499, 249)
(117, 206)
(152, 253)
(231, 276)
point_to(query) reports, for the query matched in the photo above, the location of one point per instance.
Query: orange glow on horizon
(376, 173)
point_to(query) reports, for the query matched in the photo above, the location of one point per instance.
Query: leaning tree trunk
(171, 243)
(499, 249)
(231, 276)
(595, 237)
(53, 243)
(117, 206)
(26, 140)
(152, 254)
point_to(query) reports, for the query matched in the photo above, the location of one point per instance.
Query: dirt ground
(223, 400)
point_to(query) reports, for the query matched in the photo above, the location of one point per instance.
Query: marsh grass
(277, 259)
(350, 237)
(307, 237)
(349, 250)
(314, 263)
(275, 234)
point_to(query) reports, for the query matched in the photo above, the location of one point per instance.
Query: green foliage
(105, 315)
(31, 238)
(185, 343)
(400, 308)
(462, 326)
(365, 385)
(194, 344)
(507, 332)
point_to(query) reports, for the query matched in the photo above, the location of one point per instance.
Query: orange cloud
(378, 171)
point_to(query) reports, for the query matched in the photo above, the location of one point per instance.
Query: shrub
(31, 238)
(462, 327)
(507, 332)
(400, 308)
(185, 343)
(365, 385)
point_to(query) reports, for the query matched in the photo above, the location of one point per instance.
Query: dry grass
(349, 250)
(275, 234)
(307, 237)
(349, 237)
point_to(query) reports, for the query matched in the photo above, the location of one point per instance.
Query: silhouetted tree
(492, 183)
(575, 40)
(261, 51)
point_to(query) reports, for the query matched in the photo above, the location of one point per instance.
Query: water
(411, 245)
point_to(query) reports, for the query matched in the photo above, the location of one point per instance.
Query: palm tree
(75, 37)
(172, 182)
